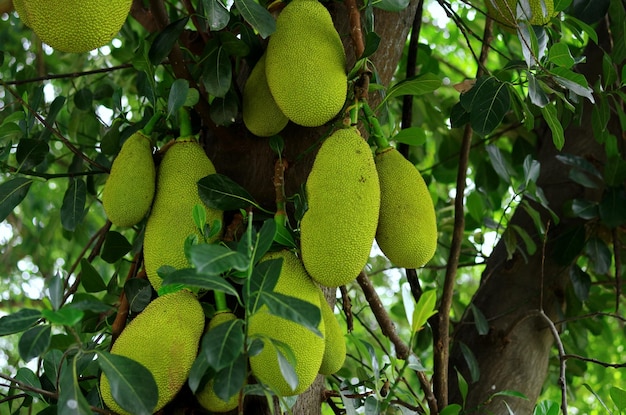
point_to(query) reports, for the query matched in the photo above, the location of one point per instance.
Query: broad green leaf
(232, 378)
(284, 237)
(452, 409)
(482, 325)
(600, 255)
(257, 16)
(199, 216)
(191, 278)
(56, 288)
(391, 5)
(418, 85)
(612, 212)
(10, 131)
(223, 344)
(220, 192)
(546, 408)
(165, 40)
(66, 316)
(217, 73)
(487, 102)
(614, 171)
(132, 385)
(499, 163)
(138, 292)
(177, 96)
(71, 399)
(264, 278)
(412, 136)
(549, 113)
(585, 209)
(115, 247)
(90, 278)
(200, 370)
(30, 153)
(223, 111)
(34, 342)
(581, 282)
(216, 14)
(53, 360)
(560, 55)
(73, 208)
(579, 163)
(532, 168)
(574, 82)
(212, 259)
(471, 361)
(53, 110)
(618, 396)
(264, 239)
(511, 393)
(534, 42)
(18, 321)
(531, 246)
(536, 93)
(27, 376)
(609, 71)
(424, 309)
(372, 40)
(372, 406)
(12, 192)
(287, 370)
(83, 99)
(233, 44)
(293, 309)
(569, 244)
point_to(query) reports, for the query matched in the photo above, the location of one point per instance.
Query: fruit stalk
(152, 122)
(184, 123)
(376, 130)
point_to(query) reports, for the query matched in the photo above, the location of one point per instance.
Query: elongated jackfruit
(334, 342)
(171, 221)
(207, 396)
(307, 347)
(506, 12)
(164, 338)
(407, 226)
(129, 189)
(305, 65)
(74, 25)
(343, 194)
(261, 115)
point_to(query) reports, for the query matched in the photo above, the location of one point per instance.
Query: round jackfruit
(343, 194)
(506, 13)
(74, 25)
(261, 115)
(207, 396)
(129, 189)
(164, 338)
(335, 344)
(307, 347)
(305, 65)
(407, 225)
(170, 222)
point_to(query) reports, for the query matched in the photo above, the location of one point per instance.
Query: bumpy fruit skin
(261, 115)
(505, 12)
(335, 344)
(338, 229)
(305, 65)
(129, 189)
(307, 347)
(407, 226)
(164, 338)
(207, 397)
(74, 25)
(171, 221)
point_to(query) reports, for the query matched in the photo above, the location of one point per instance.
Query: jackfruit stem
(184, 123)
(152, 122)
(280, 217)
(376, 130)
(220, 301)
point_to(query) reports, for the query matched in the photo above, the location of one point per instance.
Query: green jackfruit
(306, 63)
(129, 189)
(307, 347)
(164, 338)
(171, 221)
(74, 25)
(505, 12)
(337, 230)
(207, 396)
(335, 344)
(407, 226)
(261, 115)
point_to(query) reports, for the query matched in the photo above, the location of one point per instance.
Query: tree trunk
(514, 354)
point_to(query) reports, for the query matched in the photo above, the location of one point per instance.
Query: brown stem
(347, 308)
(355, 28)
(279, 186)
(122, 312)
(411, 71)
(617, 247)
(6, 6)
(68, 75)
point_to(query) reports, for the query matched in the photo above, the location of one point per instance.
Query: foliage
(64, 117)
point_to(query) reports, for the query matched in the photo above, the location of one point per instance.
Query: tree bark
(514, 354)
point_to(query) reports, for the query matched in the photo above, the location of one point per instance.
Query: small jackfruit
(170, 222)
(407, 226)
(164, 338)
(335, 344)
(207, 396)
(261, 115)
(129, 189)
(74, 25)
(307, 347)
(343, 194)
(506, 12)
(306, 63)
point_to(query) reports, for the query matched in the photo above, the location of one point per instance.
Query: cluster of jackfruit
(354, 198)
(302, 75)
(74, 25)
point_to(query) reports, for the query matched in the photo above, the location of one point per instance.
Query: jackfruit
(164, 338)
(343, 194)
(207, 396)
(505, 12)
(335, 344)
(74, 25)
(129, 189)
(306, 63)
(307, 347)
(261, 115)
(407, 226)
(170, 222)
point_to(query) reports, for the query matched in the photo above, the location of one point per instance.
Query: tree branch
(356, 33)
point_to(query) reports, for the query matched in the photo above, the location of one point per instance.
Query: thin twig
(347, 308)
(71, 75)
(594, 361)
(617, 247)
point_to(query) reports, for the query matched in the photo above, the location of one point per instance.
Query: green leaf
(293, 309)
(90, 278)
(264, 239)
(574, 82)
(612, 212)
(220, 192)
(424, 309)
(372, 40)
(452, 409)
(34, 342)
(12, 192)
(223, 344)
(200, 370)
(546, 408)
(532, 168)
(223, 111)
(417, 85)
(211, 259)
(71, 400)
(569, 244)
(217, 73)
(264, 278)
(83, 99)
(178, 96)
(372, 406)
(191, 278)
(18, 321)
(65, 316)
(56, 289)
(216, 14)
(31, 153)
(585, 209)
(73, 207)
(257, 16)
(551, 116)
(412, 136)
(614, 171)
(471, 361)
(581, 282)
(560, 55)
(531, 246)
(29, 377)
(287, 369)
(138, 291)
(231, 378)
(535, 92)
(115, 247)
(482, 325)
(618, 396)
(165, 40)
(600, 255)
(487, 102)
(499, 163)
(53, 110)
(132, 385)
